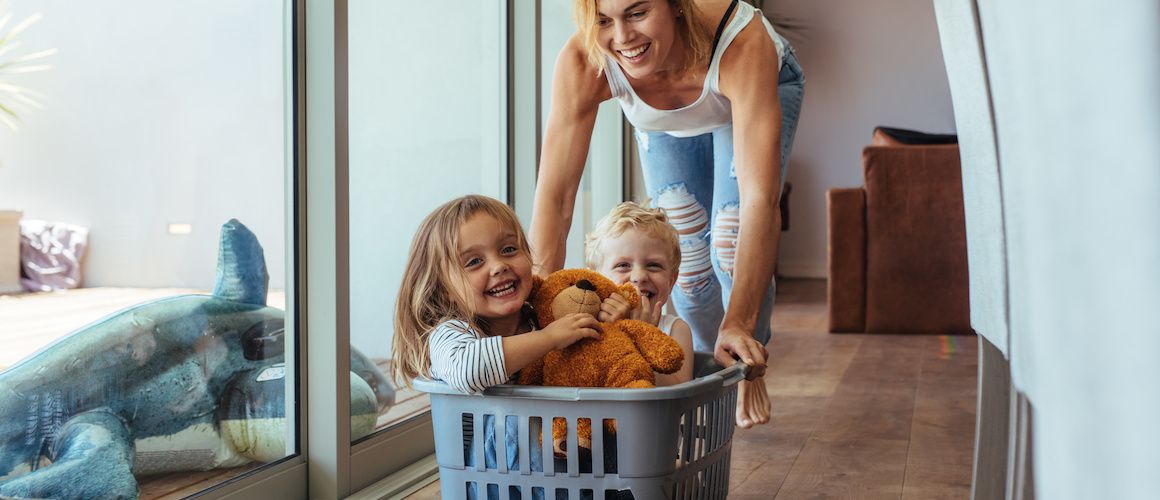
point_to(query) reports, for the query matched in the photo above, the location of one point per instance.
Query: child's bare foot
(752, 403)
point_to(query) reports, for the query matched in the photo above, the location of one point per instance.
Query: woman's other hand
(737, 344)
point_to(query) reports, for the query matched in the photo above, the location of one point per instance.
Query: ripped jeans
(684, 175)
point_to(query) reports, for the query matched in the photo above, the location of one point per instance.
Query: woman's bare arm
(749, 75)
(577, 91)
(684, 336)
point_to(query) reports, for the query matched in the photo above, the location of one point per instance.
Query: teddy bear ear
(537, 282)
(631, 293)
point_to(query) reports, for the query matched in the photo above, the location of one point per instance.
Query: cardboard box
(10, 251)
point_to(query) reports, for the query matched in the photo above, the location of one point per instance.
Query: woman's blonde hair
(434, 287)
(697, 42)
(631, 215)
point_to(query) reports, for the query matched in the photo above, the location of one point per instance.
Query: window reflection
(426, 125)
(161, 371)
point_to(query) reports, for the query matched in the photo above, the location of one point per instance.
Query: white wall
(866, 64)
(156, 112)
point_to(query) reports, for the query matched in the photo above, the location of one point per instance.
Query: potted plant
(14, 98)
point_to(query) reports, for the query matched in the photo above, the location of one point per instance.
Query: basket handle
(733, 374)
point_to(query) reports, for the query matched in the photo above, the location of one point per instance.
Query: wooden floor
(854, 416)
(30, 321)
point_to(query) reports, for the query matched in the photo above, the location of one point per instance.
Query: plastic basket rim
(711, 382)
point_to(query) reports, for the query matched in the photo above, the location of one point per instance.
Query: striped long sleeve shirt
(466, 359)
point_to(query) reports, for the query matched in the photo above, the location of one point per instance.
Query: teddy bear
(626, 355)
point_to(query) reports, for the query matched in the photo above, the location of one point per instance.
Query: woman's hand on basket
(571, 328)
(737, 344)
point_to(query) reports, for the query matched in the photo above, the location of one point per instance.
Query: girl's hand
(567, 330)
(615, 307)
(648, 312)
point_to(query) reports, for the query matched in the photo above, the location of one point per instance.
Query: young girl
(462, 307)
(462, 303)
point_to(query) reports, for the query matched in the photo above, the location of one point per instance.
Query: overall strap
(721, 28)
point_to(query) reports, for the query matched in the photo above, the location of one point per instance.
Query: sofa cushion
(916, 252)
(890, 136)
(846, 256)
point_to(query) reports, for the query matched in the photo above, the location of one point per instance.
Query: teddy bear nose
(586, 285)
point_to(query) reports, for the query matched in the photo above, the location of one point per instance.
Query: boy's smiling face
(640, 259)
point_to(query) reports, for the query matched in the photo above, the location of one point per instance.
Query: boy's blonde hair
(434, 287)
(631, 215)
(697, 43)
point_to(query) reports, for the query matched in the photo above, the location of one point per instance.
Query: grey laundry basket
(671, 442)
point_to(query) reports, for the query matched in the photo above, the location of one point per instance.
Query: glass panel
(601, 185)
(148, 214)
(427, 122)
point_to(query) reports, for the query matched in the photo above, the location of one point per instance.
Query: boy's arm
(684, 336)
(661, 352)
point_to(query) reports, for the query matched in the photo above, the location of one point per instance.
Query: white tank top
(667, 322)
(710, 111)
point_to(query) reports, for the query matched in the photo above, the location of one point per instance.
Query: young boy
(637, 245)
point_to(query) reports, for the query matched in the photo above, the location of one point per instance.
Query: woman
(714, 94)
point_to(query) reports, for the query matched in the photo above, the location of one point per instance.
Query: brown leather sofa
(897, 246)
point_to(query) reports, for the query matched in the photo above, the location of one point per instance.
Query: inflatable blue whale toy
(192, 382)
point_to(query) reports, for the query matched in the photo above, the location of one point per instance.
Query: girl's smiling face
(641, 35)
(641, 259)
(498, 271)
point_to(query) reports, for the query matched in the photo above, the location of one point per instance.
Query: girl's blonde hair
(631, 215)
(434, 287)
(698, 44)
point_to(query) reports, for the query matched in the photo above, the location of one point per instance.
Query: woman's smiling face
(641, 35)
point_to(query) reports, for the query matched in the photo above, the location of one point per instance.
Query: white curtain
(1075, 86)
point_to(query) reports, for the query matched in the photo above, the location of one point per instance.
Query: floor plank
(944, 420)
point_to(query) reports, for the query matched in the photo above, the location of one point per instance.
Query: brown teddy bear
(626, 355)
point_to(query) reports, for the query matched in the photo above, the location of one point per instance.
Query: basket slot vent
(573, 451)
(598, 435)
(611, 453)
(703, 430)
(687, 433)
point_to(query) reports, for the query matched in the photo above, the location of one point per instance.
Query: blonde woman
(714, 94)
